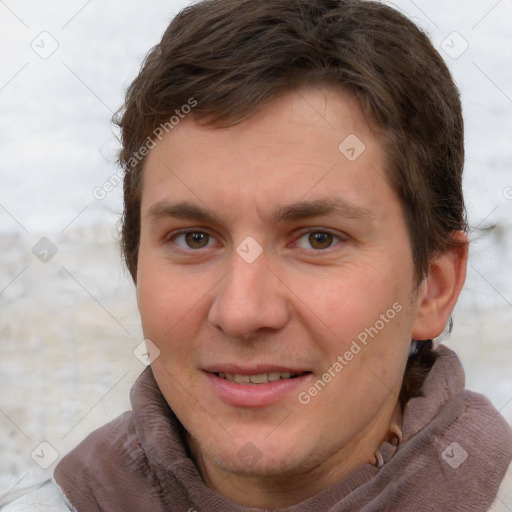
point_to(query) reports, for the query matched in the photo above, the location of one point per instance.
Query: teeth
(262, 378)
(242, 379)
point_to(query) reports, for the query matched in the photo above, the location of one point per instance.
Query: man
(294, 224)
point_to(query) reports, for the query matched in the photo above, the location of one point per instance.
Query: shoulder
(462, 438)
(471, 415)
(479, 440)
(485, 427)
(111, 442)
(47, 498)
(104, 455)
(503, 502)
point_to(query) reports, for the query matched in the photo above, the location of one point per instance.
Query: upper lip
(252, 370)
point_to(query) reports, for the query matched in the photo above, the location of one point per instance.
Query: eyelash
(337, 239)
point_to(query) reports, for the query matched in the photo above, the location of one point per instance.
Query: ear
(440, 290)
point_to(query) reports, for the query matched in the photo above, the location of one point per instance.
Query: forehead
(308, 144)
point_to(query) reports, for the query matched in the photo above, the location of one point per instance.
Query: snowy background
(69, 326)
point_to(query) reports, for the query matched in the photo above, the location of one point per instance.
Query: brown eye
(320, 240)
(197, 240)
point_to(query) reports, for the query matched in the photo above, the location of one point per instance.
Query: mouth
(256, 387)
(260, 378)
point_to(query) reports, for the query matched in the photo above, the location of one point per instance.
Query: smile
(262, 378)
(256, 388)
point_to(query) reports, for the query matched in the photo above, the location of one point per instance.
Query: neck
(272, 492)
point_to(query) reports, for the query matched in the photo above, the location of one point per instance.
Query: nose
(250, 300)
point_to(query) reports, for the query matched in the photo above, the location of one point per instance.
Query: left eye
(192, 240)
(317, 240)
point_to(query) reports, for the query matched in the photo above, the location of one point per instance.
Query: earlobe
(440, 289)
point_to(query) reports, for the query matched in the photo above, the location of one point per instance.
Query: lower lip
(254, 395)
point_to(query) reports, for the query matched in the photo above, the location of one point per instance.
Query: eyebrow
(295, 211)
(332, 206)
(183, 210)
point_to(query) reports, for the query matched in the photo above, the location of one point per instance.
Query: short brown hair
(235, 56)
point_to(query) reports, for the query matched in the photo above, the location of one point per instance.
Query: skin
(301, 303)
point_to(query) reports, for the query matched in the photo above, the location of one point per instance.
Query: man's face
(270, 253)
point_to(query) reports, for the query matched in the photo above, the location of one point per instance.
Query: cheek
(368, 327)
(156, 303)
(348, 301)
(169, 304)
(170, 320)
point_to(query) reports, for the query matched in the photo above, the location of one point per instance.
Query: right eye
(192, 240)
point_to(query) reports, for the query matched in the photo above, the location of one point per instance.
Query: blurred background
(69, 327)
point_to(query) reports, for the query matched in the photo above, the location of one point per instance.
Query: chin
(260, 465)
(257, 456)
